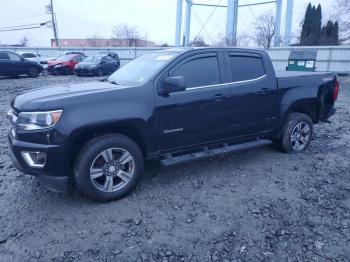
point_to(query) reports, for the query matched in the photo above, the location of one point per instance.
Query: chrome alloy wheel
(112, 169)
(300, 136)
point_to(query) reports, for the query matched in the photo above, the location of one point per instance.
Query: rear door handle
(264, 91)
(218, 97)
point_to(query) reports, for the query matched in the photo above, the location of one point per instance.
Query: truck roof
(187, 49)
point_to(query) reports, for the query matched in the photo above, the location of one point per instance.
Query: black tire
(67, 71)
(100, 72)
(33, 72)
(290, 132)
(91, 154)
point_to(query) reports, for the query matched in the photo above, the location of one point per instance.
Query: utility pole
(231, 22)
(278, 23)
(288, 25)
(178, 23)
(54, 26)
(188, 22)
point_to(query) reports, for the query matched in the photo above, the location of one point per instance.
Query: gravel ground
(259, 205)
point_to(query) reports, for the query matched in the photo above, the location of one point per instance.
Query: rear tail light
(336, 90)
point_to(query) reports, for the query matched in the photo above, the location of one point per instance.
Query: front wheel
(297, 133)
(33, 72)
(100, 72)
(109, 167)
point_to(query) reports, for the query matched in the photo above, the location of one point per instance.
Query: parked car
(30, 56)
(74, 53)
(98, 65)
(173, 105)
(11, 64)
(64, 64)
(113, 55)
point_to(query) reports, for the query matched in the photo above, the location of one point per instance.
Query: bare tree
(93, 40)
(24, 41)
(198, 41)
(242, 39)
(264, 30)
(125, 32)
(342, 15)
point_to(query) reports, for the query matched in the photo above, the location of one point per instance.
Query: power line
(250, 10)
(210, 15)
(201, 23)
(18, 26)
(25, 27)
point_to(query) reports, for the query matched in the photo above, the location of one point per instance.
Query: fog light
(34, 159)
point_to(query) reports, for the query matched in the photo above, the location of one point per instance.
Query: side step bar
(171, 160)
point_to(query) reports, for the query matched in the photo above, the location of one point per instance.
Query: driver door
(196, 115)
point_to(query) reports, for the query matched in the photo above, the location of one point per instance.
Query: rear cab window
(245, 66)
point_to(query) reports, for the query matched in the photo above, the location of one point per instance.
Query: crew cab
(174, 105)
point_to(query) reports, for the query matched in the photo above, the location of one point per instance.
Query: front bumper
(86, 71)
(53, 175)
(57, 70)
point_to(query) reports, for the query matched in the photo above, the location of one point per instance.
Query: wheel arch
(82, 136)
(309, 107)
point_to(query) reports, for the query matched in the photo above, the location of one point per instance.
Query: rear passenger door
(198, 114)
(252, 93)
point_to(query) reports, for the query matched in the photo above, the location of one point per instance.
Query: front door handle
(264, 91)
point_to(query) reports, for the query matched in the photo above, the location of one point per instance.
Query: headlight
(92, 66)
(37, 120)
(56, 66)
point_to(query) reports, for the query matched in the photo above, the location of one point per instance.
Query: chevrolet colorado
(173, 105)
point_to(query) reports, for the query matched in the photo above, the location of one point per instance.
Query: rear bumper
(53, 175)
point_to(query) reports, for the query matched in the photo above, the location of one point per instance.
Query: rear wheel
(33, 72)
(296, 134)
(109, 167)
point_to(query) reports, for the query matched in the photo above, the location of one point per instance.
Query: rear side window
(14, 57)
(4, 56)
(246, 67)
(28, 55)
(201, 71)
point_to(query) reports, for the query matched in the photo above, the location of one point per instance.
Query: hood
(55, 62)
(57, 96)
(86, 64)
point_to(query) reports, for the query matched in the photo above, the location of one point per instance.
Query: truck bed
(290, 74)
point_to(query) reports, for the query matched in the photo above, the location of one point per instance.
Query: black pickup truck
(173, 105)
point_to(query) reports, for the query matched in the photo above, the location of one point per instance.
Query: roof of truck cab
(187, 49)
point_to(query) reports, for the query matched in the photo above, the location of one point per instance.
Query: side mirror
(173, 84)
(22, 59)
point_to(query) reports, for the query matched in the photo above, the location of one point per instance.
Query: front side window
(246, 67)
(201, 71)
(14, 57)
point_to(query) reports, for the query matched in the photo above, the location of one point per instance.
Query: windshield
(65, 58)
(142, 69)
(94, 59)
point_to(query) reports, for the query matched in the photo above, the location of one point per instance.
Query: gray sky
(156, 18)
